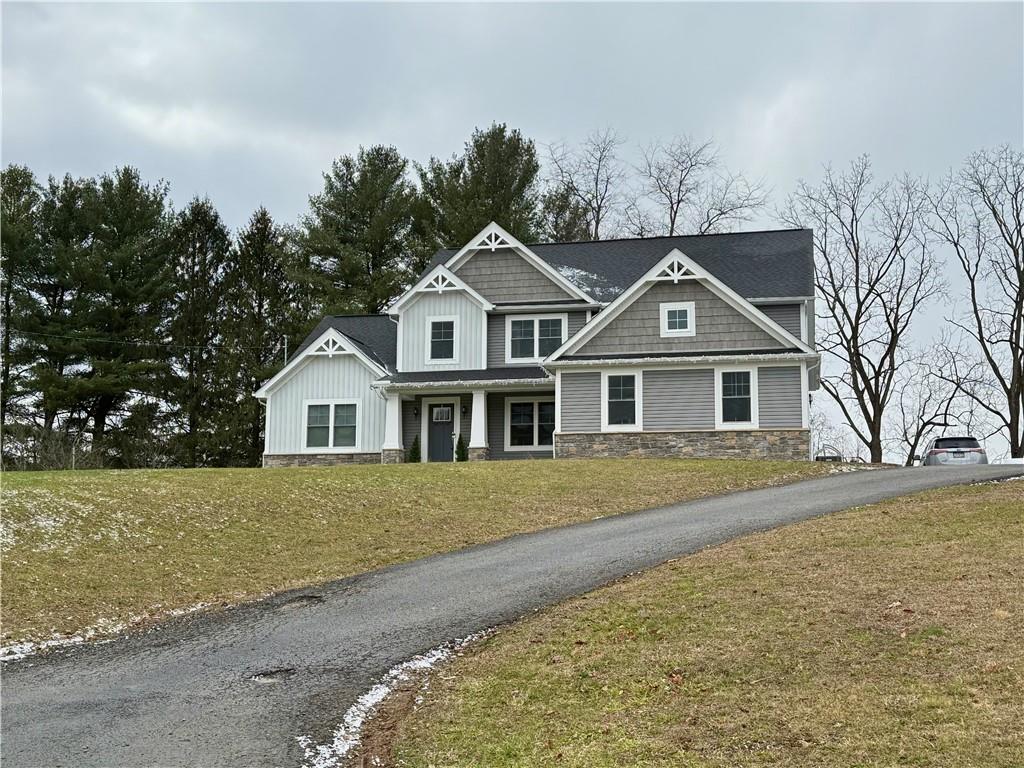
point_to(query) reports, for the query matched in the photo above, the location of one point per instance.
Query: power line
(122, 342)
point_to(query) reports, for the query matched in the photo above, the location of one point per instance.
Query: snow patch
(347, 735)
(589, 282)
(17, 651)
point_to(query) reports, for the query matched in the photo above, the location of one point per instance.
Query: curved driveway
(183, 694)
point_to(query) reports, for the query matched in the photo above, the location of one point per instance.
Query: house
(666, 346)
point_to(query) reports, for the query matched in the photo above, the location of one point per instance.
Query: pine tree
(359, 234)
(495, 179)
(264, 299)
(198, 244)
(128, 289)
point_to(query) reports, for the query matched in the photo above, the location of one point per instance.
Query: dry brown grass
(83, 547)
(889, 635)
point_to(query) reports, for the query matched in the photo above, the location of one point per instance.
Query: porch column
(478, 430)
(391, 451)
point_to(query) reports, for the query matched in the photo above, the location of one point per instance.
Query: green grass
(889, 635)
(82, 548)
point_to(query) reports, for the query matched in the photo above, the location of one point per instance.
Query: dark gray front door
(440, 425)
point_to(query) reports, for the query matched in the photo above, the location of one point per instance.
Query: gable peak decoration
(493, 240)
(441, 283)
(675, 271)
(330, 346)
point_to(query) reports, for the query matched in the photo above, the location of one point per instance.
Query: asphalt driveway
(185, 693)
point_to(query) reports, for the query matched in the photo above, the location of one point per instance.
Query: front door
(440, 425)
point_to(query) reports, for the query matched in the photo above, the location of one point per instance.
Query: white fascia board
(786, 358)
(456, 385)
(493, 237)
(349, 348)
(419, 290)
(715, 285)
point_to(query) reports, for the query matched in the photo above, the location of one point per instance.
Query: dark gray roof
(487, 374)
(754, 264)
(375, 335)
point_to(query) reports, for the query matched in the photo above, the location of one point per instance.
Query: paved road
(183, 694)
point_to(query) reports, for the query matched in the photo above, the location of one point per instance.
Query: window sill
(331, 450)
(534, 448)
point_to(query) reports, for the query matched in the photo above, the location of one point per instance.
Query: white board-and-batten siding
(414, 332)
(342, 377)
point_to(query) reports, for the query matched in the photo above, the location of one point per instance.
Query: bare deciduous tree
(926, 405)
(874, 271)
(593, 175)
(980, 213)
(691, 192)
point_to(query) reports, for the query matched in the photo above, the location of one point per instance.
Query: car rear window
(956, 442)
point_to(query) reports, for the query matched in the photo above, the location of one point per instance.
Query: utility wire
(100, 340)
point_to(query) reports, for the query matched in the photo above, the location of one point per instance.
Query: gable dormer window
(531, 338)
(677, 319)
(442, 339)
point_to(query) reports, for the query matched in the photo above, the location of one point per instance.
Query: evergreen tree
(263, 294)
(198, 244)
(565, 218)
(359, 233)
(495, 179)
(19, 253)
(128, 287)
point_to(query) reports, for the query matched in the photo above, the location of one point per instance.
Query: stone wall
(320, 459)
(790, 444)
(479, 454)
(392, 456)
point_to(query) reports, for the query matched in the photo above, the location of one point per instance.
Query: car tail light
(937, 451)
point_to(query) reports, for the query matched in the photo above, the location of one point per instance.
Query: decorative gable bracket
(440, 283)
(675, 271)
(493, 240)
(330, 347)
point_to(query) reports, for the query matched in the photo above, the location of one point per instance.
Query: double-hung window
(737, 398)
(535, 337)
(332, 426)
(530, 424)
(677, 319)
(620, 409)
(441, 340)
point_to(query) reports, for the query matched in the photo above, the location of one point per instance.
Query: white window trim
(536, 414)
(425, 402)
(731, 426)
(638, 393)
(454, 320)
(509, 360)
(691, 325)
(357, 402)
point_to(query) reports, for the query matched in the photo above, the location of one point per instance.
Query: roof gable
(440, 279)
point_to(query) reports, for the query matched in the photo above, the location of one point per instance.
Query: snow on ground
(347, 735)
(104, 628)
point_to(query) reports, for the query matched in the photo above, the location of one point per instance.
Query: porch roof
(533, 374)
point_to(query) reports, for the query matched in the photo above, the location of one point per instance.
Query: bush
(461, 452)
(412, 455)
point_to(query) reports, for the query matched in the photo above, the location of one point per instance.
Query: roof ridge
(667, 237)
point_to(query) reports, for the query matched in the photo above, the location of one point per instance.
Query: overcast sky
(249, 103)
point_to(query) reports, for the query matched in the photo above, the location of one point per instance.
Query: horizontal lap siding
(496, 426)
(496, 336)
(580, 404)
(322, 378)
(718, 325)
(786, 315)
(779, 399)
(679, 399)
(504, 275)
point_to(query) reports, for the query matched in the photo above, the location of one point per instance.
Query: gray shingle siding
(719, 326)
(679, 399)
(504, 275)
(779, 399)
(496, 335)
(581, 402)
(786, 315)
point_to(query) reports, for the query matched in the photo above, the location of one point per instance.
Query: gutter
(633, 361)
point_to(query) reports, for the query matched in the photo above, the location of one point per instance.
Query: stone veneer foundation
(478, 454)
(320, 459)
(392, 456)
(783, 444)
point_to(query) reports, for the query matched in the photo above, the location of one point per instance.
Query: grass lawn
(90, 547)
(887, 635)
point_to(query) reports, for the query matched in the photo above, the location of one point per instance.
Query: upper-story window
(677, 319)
(534, 337)
(441, 339)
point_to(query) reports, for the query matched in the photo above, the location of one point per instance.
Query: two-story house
(666, 346)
